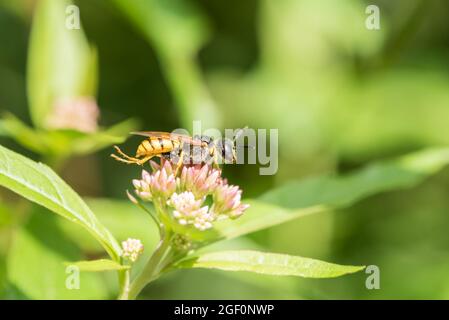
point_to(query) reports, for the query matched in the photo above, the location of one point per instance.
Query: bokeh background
(341, 96)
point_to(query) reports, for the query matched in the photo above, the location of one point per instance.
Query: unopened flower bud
(227, 201)
(199, 180)
(75, 113)
(181, 242)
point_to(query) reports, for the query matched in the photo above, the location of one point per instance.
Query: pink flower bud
(79, 113)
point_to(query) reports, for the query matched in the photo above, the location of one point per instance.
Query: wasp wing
(169, 136)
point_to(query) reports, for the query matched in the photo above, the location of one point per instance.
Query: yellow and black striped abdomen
(155, 146)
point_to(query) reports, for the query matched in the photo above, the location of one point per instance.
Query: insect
(180, 148)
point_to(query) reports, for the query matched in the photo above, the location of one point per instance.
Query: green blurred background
(340, 95)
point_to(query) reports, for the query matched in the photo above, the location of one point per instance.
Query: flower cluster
(194, 196)
(132, 249)
(188, 210)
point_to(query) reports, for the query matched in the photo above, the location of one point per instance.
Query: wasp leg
(126, 158)
(123, 160)
(142, 161)
(133, 161)
(215, 161)
(180, 162)
(124, 155)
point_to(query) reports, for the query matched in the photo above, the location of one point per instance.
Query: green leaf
(61, 63)
(342, 191)
(38, 183)
(115, 134)
(268, 263)
(98, 265)
(122, 218)
(35, 264)
(65, 142)
(125, 220)
(23, 134)
(323, 193)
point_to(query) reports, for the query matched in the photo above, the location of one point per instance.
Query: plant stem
(152, 268)
(124, 277)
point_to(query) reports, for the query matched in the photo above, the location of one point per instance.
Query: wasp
(181, 148)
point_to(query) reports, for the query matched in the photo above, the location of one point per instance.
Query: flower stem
(124, 277)
(152, 268)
